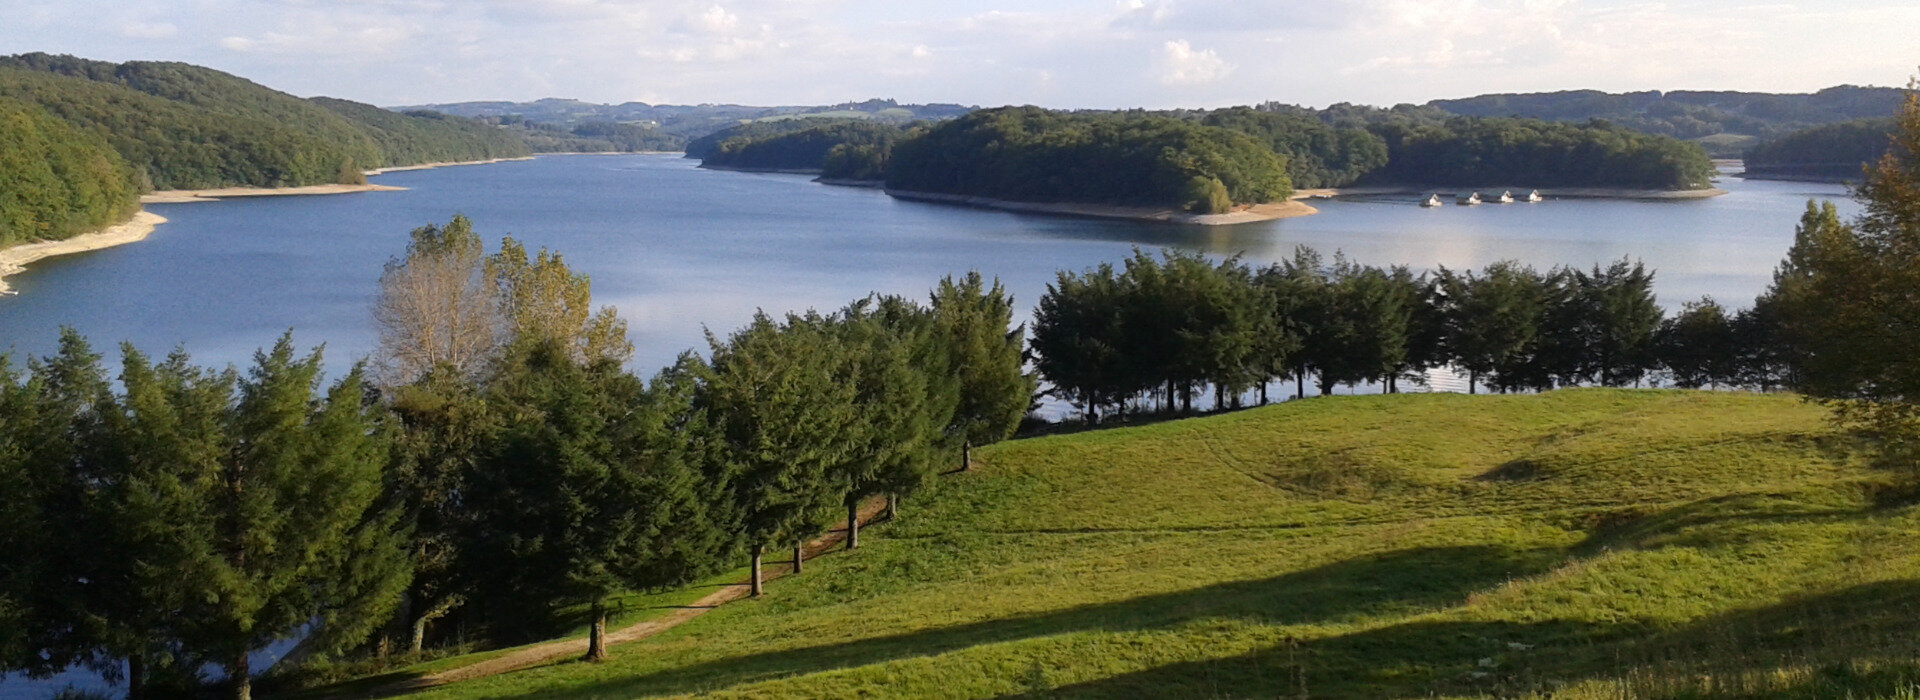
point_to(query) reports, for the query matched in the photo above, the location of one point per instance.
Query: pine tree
(780, 400)
(989, 357)
(295, 526)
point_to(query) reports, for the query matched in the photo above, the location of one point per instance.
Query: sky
(1054, 53)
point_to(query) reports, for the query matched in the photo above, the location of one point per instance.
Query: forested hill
(1028, 154)
(184, 126)
(687, 122)
(57, 181)
(1834, 152)
(1723, 122)
(858, 148)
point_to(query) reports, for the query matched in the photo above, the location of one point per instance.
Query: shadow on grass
(1857, 641)
(1402, 581)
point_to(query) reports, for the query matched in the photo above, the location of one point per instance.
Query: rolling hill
(1582, 543)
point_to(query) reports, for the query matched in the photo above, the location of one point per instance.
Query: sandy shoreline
(219, 193)
(776, 171)
(1257, 212)
(442, 164)
(17, 258)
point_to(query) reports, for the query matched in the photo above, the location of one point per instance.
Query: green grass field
(1588, 543)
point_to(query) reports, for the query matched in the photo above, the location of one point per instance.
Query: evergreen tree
(782, 404)
(444, 425)
(1699, 346)
(296, 537)
(988, 354)
(1078, 343)
(1494, 319)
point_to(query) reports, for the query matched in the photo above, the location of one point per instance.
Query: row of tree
(1829, 152)
(811, 149)
(495, 465)
(1161, 330)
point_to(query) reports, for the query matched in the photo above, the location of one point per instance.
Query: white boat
(1506, 197)
(1534, 196)
(1468, 200)
(1431, 201)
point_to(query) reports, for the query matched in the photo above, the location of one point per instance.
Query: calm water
(678, 249)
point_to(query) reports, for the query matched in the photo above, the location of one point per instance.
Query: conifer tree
(295, 530)
(1494, 319)
(781, 401)
(988, 354)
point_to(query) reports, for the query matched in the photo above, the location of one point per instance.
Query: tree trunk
(853, 525)
(435, 612)
(597, 638)
(1471, 377)
(754, 585)
(966, 446)
(799, 549)
(893, 506)
(1263, 392)
(240, 672)
(1300, 384)
(137, 676)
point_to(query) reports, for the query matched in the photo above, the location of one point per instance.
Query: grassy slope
(1598, 543)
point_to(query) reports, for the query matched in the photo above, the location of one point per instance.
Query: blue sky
(1058, 53)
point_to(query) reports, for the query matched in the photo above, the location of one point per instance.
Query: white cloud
(1179, 64)
(715, 20)
(237, 43)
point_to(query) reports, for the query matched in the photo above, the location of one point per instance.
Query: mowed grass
(1586, 543)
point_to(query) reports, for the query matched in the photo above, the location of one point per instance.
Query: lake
(679, 249)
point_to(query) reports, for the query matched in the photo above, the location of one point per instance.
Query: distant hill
(1827, 153)
(57, 181)
(1725, 123)
(675, 125)
(184, 126)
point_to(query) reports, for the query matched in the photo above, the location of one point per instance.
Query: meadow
(1578, 543)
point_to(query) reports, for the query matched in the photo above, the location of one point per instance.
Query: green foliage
(1317, 154)
(57, 181)
(1029, 154)
(746, 132)
(1707, 117)
(811, 149)
(1827, 152)
(1699, 345)
(186, 127)
(988, 357)
(1522, 152)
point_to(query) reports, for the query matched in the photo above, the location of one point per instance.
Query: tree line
(494, 464)
(1834, 152)
(1155, 332)
(812, 148)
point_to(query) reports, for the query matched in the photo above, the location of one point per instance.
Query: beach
(1449, 192)
(446, 164)
(17, 258)
(1257, 212)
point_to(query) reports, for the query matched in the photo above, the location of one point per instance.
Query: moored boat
(1468, 200)
(1534, 196)
(1506, 197)
(1431, 201)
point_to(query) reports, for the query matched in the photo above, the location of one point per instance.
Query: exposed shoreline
(219, 193)
(1257, 212)
(1449, 192)
(441, 164)
(17, 258)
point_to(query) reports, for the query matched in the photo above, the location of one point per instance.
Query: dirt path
(542, 653)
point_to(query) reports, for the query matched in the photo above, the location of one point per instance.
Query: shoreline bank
(1258, 212)
(440, 164)
(776, 171)
(219, 193)
(16, 259)
(1450, 192)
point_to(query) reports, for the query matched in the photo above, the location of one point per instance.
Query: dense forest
(57, 181)
(856, 148)
(1029, 154)
(1834, 152)
(589, 136)
(1533, 153)
(1725, 122)
(686, 122)
(183, 126)
(756, 130)
(1318, 155)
